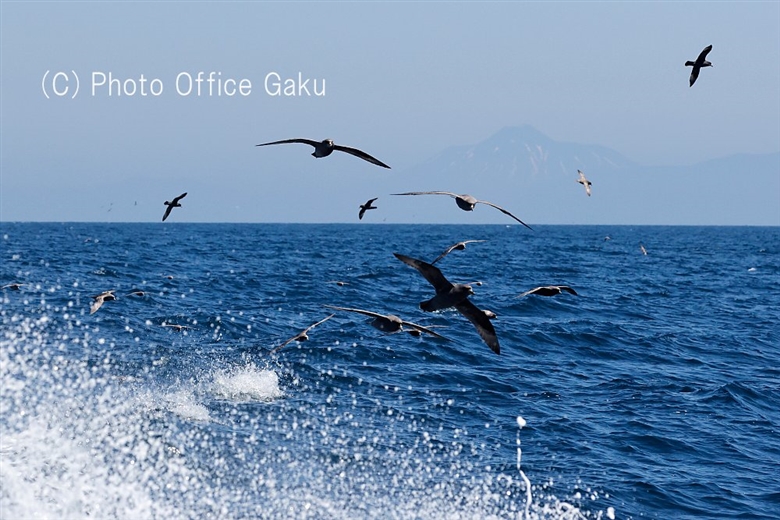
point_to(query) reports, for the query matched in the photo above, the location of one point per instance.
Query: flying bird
(465, 202)
(365, 207)
(585, 182)
(301, 336)
(173, 204)
(549, 290)
(700, 62)
(176, 327)
(453, 295)
(389, 322)
(99, 299)
(460, 246)
(326, 147)
(12, 286)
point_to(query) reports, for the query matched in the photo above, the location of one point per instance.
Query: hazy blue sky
(402, 81)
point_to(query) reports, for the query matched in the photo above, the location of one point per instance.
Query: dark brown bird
(453, 295)
(460, 246)
(700, 62)
(549, 290)
(465, 202)
(177, 328)
(326, 147)
(173, 204)
(389, 322)
(365, 207)
(100, 298)
(301, 336)
(12, 286)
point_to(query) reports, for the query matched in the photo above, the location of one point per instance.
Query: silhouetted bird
(301, 336)
(173, 204)
(549, 290)
(460, 246)
(365, 207)
(388, 322)
(700, 62)
(326, 147)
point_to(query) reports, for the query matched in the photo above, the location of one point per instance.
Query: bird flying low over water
(389, 322)
(301, 336)
(453, 295)
(549, 290)
(585, 182)
(12, 286)
(173, 204)
(700, 62)
(460, 246)
(326, 147)
(365, 207)
(106, 296)
(176, 327)
(465, 202)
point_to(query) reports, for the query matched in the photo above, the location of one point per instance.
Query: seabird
(173, 204)
(136, 293)
(326, 147)
(100, 298)
(12, 286)
(465, 202)
(389, 322)
(549, 290)
(585, 182)
(301, 336)
(460, 246)
(177, 328)
(453, 295)
(365, 207)
(700, 62)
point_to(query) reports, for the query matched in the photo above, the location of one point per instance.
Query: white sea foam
(247, 383)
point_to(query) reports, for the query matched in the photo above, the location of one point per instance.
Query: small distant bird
(460, 246)
(700, 62)
(585, 182)
(465, 202)
(453, 295)
(100, 298)
(389, 322)
(365, 207)
(644, 251)
(549, 290)
(136, 293)
(173, 204)
(12, 286)
(326, 147)
(301, 336)
(338, 282)
(176, 327)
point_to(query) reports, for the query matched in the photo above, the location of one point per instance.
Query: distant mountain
(534, 176)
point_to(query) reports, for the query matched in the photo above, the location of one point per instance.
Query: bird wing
(96, 304)
(177, 199)
(359, 153)
(428, 271)
(502, 210)
(421, 329)
(480, 320)
(531, 291)
(445, 253)
(280, 347)
(703, 54)
(285, 141)
(307, 329)
(694, 75)
(360, 311)
(361, 212)
(568, 289)
(167, 211)
(453, 195)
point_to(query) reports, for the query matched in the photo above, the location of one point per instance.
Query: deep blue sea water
(654, 393)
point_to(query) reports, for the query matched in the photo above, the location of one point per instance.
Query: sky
(401, 80)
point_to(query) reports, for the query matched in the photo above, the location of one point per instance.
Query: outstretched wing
(360, 153)
(479, 319)
(428, 271)
(502, 210)
(568, 289)
(703, 54)
(453, 195)
(422, 329)
(359, 311)
(307, 329)
(177, 199)
(694, 75)
(167, 211)
(286, 141)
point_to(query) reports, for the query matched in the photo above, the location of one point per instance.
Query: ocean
(654, 392)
